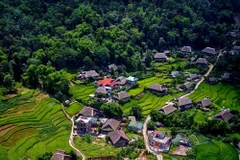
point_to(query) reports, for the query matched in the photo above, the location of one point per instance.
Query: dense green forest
(39, 38)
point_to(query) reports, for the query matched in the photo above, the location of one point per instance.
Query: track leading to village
(144, 131)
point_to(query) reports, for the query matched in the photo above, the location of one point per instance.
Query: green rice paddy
(74, 108)
(222, 95)
(216, 151)
(82, 92)
(40, 126)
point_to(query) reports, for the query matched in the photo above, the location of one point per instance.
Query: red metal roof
(106, 82)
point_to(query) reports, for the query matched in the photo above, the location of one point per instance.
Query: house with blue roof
(135, 126)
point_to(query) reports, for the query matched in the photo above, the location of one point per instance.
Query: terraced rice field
(222, 95)
(216, 151)
(147, 82)
(82, 92)
(166, 66)
(31, 125)
(96, 148)
(74, 108)
(148, 102)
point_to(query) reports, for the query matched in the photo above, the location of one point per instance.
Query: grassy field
(222, 95)
(147, 82)
(200, 117)
(148, 102)
(32, 124)
(216, 151)
(96, 148)
(82, 92)
(74, 108)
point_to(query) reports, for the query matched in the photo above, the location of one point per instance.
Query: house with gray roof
(160, 57)
(112, 67)
(174, 74)
(89, 112)
(201, 61)
(101, 91)
(186, 49)
(236, 49)
(224, 115)
(157, 89)
(121, 81)
(132, 80)
(186, 85)
(194, 76)
(184, 103)
(209, 51)
(226, 76)
(110, 125)
(60, 155)
(88, 74)
(212, 80)
(135, 126)
(118, 138)
(167, 109)
(205, 103)
(123, 95)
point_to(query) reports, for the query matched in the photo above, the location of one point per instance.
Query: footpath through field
(145, 136)
(70, 141)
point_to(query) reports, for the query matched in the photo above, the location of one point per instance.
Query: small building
(236, 49)
(182, 140)
(212, 80)
(226, 76)
(66, 103)
(205, 103)
(101, 91)
(135, 126)
(106, 82)
(110, 125)
(60, 155)
(160, 57)
(159, 141)
(121, 81)
(174, 74)
(88, 74)
(209, 51)
(224, 115)
(112, 67)
(186, 85)
(118, 138)
(167, 109)
(123, 95)
(84, 124)
(201, 61)
(132, 80)
(193, 77)
(132, 118)
(157, 89)
(186, 49)
(184, 103)
(89, 112)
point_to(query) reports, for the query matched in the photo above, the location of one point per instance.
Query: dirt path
(70, 141)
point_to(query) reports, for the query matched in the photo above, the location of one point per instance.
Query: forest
(41, 38)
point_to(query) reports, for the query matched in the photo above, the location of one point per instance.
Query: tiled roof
(186, 49)
(167, 109)
(106, 81)
(102, 90)
(112, 123)
(157, 87)
(116, 135)
(160, 55)
(184, 101)
(224, 115)
(209, 50)
(89, 112)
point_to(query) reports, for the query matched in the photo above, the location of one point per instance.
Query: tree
(137, 112)
(112, 110)
(151, 125)
(45, 156)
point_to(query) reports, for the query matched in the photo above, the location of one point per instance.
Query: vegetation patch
(82, 92)
(74, 108)
(200, 117)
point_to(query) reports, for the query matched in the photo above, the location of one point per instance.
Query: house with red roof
(106, 82)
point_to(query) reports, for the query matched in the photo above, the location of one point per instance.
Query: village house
(135, 126)
(205, 103)
(194, 77)
(186, 49)
(184, 103)
(174, 74)
(236, 49)
(229, 53)
(224, 115)
(85, 124)
(132, 80)
(209, 51)
(182, 140)
(160, 57)
(89, 112)
(60, 155)
(111, 67)
(186, 85)
(167, 109)
(123, 95)
(118, 138)
(201, 61)
(88, 74)
(121, 80)
(110, 125)
(106, 82)
(159, 141)
(100, 91)
(226, 76)
(212, 80)
(157, 89)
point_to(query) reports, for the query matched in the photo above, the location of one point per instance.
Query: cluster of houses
(89, 120)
